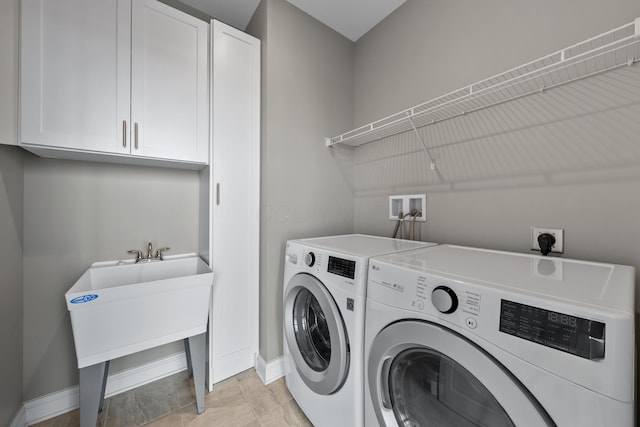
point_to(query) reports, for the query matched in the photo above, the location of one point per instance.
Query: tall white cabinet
(121, 78)
(231, 186)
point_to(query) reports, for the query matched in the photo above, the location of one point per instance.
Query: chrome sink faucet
(158, 256)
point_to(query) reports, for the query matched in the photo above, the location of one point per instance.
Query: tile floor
(170, 402)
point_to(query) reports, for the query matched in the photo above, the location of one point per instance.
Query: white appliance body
(324, 300)
(462, 336)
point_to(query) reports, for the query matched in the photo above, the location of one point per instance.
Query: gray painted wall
(11, 220)
(11, 324)
(573, 166)
(9, 71)
(76, 213)
(307, 81)
(427, 48)
(573, 163)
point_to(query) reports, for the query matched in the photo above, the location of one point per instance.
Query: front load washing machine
(324, 301)
(470, 337)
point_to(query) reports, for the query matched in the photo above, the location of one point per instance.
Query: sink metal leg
(187, 352)
(104, 385)
(197, 350)
(92, 386)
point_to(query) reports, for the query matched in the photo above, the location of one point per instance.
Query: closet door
(170, 91)
(235, 200)
(75, 73)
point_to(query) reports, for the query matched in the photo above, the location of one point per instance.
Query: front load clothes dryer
(324, 301)
(470, 337)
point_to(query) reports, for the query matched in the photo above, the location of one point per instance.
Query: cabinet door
(75, 73)
(235, 209)
(169, 102)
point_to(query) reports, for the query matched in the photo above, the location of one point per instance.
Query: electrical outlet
(558, 233)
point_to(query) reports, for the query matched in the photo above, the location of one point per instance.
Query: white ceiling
(236, 13)
(351, 18)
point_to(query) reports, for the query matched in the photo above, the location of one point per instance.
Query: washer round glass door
(315, 334)
(423, 374)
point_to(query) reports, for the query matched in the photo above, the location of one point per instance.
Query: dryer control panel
(571, 334)
(342, 267)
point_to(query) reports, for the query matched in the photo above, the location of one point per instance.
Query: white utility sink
(118, 308)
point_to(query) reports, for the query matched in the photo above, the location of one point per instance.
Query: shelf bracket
(426, 149)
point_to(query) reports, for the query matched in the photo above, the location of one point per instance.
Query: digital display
(342, 267)
(571, 334)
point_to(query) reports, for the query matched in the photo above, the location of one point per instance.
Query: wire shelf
(617, 48)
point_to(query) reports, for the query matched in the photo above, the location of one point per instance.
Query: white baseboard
(66, 400)
(271, 371)
(20, 420)
(52, 405)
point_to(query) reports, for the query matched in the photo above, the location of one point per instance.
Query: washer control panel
(449, 300)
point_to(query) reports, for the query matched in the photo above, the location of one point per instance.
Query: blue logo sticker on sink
(84, 298)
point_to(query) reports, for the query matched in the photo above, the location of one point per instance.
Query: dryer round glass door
(311, 331)
(315, 334)
(422, 374)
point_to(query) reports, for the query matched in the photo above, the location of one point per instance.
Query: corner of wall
(11, 300)
(20, 420)
(269, 371)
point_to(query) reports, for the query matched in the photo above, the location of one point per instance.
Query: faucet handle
(160, 251)
(137, 253)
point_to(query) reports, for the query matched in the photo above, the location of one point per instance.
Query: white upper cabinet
(169, 102)
(74, 73)
(114, 80)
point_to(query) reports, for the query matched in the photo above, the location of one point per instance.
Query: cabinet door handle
(124, 133)
(135, 133)
(217, 193)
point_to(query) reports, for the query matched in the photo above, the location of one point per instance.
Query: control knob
(310, 259)
(444, 299)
